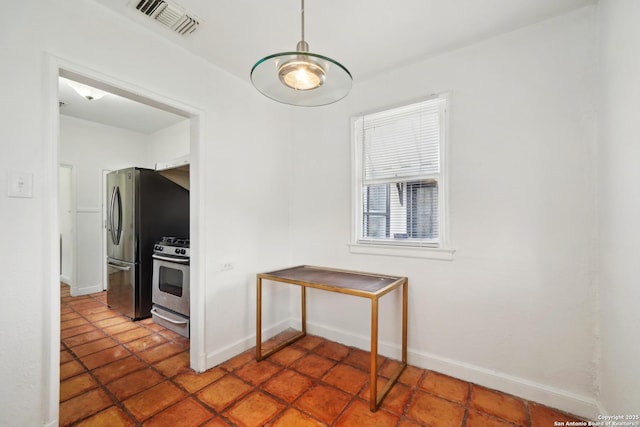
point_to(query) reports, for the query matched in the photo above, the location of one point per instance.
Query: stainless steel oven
(170, 293)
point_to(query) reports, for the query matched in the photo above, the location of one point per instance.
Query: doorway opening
(67, 175)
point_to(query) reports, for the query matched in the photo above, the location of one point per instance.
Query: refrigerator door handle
(119, 267)
(110, 213)
(118, 229)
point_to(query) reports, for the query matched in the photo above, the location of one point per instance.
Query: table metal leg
(259, 318)
(373, 374)
(303, 305)
(405, 300)
(261, 356)
(374, 399)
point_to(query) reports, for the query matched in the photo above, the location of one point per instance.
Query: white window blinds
(402, 143)
(400, 184)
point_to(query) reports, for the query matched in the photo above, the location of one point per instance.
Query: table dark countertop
(343, 279)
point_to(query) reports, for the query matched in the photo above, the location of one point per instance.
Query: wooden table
(367, 285)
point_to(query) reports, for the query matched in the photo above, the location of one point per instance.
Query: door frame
(105, 278)
(72, 205)
(56, 67)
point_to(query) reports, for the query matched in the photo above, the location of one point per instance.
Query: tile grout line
(466, 405)
(414, 391)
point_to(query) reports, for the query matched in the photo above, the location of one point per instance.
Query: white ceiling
(114, 110)
(368, 37)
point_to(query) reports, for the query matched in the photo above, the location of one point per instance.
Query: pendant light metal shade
(300, 77)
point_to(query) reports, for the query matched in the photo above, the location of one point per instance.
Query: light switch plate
(20, 184)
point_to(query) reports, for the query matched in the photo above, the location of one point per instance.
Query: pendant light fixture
(301, 78)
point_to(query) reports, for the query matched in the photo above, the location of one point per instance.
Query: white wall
(93, 148)
(168, 144)
(252, 230)
(619, 200)
(514, 309)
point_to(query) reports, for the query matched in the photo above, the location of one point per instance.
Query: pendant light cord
(302, 17)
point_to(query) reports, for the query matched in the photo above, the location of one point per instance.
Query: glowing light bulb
(301, 74)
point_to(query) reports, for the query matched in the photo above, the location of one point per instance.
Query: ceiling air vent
(168, 14)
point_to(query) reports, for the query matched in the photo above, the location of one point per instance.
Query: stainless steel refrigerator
(142, 207)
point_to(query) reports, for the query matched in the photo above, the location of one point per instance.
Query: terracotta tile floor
(115, 372)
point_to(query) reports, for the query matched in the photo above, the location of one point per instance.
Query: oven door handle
(170, 259)
(177, 322)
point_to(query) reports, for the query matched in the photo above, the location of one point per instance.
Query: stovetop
(172, 246)
(181, 242)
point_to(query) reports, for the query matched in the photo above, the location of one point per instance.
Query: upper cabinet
(169, 152)
(177, 170)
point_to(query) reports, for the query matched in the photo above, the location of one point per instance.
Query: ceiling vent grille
(168, 14)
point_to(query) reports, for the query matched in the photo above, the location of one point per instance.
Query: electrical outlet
(228, 265)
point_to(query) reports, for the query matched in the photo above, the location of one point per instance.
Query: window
(398, 176)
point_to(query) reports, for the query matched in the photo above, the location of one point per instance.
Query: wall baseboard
(85, 290)
(601, 410)
(583, 406)
(564, 400)
(554, 397)
(225, 353)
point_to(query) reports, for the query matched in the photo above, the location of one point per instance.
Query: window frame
(368, 213)
(441, 249)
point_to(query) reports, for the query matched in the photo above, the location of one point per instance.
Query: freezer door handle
(118, 229)
(119, 267)
(177, 322)
(115, 202)
(110, 214)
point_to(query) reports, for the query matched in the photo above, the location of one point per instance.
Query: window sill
(402, 251)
